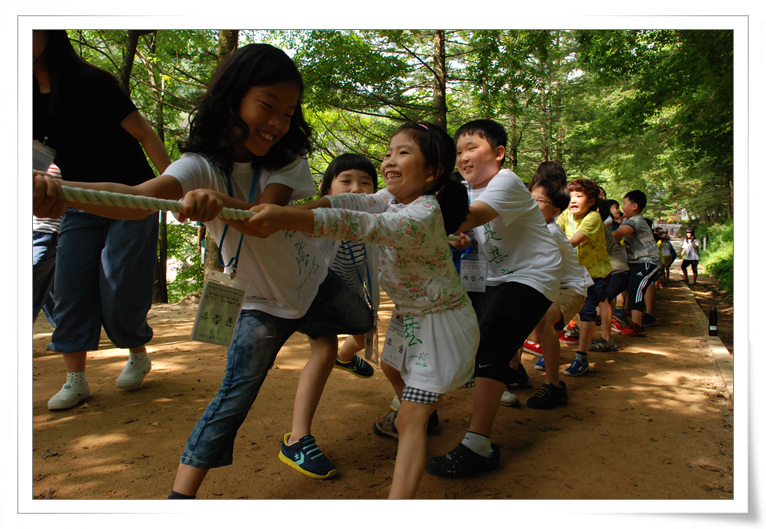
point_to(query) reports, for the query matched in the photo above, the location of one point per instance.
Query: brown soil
(651, 421)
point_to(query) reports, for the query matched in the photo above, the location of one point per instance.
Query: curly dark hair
(216, 115)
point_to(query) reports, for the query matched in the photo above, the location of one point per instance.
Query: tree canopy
(649, 110)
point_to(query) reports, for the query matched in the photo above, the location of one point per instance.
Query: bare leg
(516, 359)
(587, 329)
(606, 320)
(411, 422)
(188, 479)
(549, 342)
(394, 377)
(311, 384)
(486, 400)
(75, 362)
(350, 347)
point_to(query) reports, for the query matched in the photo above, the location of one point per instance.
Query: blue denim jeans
(104, 276)
(258, 337)
(43, 272)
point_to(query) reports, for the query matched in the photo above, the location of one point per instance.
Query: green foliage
(182, 247)
(718, 260)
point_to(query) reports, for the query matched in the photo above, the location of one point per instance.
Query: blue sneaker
(356, 366)
(577, 369)
(540, 364)
(305, 456)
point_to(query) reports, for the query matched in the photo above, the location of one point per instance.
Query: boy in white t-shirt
(552, 198)
(523, 271)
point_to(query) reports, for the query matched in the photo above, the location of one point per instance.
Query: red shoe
(617, 326)
(532, 348)
(567, 337)
(633, 330)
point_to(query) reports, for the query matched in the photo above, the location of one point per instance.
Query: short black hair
(347, 162)
(492, 131)
(555, 191)
(637, 197)
(549, 170)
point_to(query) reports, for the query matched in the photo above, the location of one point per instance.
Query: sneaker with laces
(540, 364)
(620, 316)
(356, 366)
(617, 326)
(305, 456)
(633, 330)
(577, 369)
(532, 348)
(462, 461)
(549, 396)
(509, 399)
(134, 371)
(519, 378)
(569, 337)
(602, 346)
(69, 396)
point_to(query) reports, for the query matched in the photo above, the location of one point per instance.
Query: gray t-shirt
(640, 245)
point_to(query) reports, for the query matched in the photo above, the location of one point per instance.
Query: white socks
(478, 443)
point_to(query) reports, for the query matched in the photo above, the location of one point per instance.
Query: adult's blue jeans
(43, 273)
(104, 276)
(258, 337)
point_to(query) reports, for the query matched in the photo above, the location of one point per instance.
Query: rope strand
(121, 200)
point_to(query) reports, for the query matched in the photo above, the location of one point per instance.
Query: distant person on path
(691, 256)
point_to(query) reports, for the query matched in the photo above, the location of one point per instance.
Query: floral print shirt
(416, 268)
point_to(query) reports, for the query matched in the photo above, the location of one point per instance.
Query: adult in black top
(104, 267)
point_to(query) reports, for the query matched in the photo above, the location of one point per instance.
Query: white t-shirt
(517, 244)
(283, 271)
(571, 271)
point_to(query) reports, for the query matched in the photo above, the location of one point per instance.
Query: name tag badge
(473, 273)
(219, 308)
(396, 343)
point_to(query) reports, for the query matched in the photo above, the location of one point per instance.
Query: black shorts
(596, 294)
(641, 276)
(618, 283)
(507, 314)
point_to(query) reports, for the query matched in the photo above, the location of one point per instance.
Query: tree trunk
(440, 80)
(227, 43)
(160, 293)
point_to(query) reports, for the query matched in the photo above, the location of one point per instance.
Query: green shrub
(718, 260)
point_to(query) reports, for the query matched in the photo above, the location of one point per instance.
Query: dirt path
(650, 422)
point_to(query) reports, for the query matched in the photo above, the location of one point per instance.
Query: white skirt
(440, 349)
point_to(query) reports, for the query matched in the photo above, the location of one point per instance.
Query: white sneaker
(69, 396)
(134, 372)
(509, 399)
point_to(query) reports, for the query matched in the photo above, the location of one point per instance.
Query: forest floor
(653, 420)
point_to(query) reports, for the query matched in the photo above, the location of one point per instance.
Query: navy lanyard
(366, 289)
(235, 260)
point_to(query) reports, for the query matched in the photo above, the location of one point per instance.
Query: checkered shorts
(419, 395)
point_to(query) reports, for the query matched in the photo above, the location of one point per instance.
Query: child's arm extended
(479, 213)
(623, 231)
(270, 218)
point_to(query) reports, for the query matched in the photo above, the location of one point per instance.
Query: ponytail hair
(439, 152)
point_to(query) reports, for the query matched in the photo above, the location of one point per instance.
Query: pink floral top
(416, 268)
